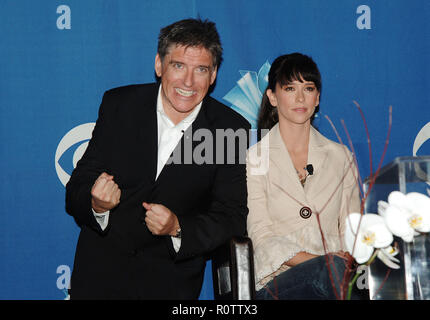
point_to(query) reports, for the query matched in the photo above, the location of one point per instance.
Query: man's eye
(178, 65)
(202, 69)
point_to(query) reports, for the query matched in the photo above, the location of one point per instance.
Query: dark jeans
(309, 280)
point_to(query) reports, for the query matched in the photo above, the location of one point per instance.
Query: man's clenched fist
(160, 220)
(105, 193)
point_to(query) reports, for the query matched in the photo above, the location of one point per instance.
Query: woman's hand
(300, 258)
(305, 256)
(345, 255)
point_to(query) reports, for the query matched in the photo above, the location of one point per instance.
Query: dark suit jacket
(126, 260)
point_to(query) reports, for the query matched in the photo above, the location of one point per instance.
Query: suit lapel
(149, 130)
(201, 121)
(146, 142)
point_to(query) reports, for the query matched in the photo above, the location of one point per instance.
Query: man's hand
(160, 220)
(105, 193)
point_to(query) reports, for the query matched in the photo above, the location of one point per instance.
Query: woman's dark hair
(191, 33)
(284, 70)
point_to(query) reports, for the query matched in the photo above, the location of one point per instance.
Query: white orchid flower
(396, 219)
(364, 234)
(406, 214)
(419, 205)
(386, 255)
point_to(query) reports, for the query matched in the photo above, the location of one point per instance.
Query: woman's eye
(310, 89)
(288, 88)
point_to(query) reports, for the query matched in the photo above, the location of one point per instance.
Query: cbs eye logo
(78, 135)
(422, 137)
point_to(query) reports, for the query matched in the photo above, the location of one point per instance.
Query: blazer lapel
(282, 172)
(284, 175)
(317, 155)
(201, 121)
(149, 130)
(146, 142)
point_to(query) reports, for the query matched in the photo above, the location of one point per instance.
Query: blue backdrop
(58, 57)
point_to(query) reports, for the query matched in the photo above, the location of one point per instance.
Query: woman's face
(296, 101)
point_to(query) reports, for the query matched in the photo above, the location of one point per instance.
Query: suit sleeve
(227, 211)
(89, 167)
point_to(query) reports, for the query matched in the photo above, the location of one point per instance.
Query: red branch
(372, 177)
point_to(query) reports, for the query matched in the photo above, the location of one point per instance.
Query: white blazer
(279, 222)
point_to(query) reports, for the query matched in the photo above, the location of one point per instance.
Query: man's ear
(158, 65)
(213, 75)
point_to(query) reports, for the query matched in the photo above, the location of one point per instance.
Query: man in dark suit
(159, 187)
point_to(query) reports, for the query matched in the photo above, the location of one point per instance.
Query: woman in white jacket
(299, 197)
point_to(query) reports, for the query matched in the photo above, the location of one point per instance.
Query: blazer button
(305, 212)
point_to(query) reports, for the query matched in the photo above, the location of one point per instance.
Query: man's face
(186, 74)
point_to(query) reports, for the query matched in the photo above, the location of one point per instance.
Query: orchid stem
(372, 258)
(351, 283)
